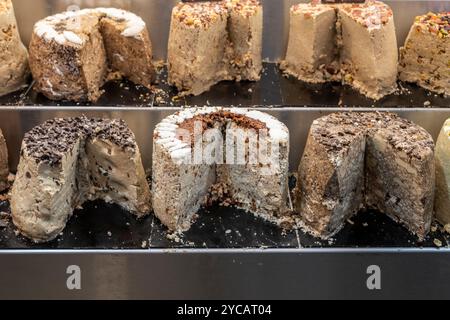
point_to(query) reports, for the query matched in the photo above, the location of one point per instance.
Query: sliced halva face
(425, 57)
(344, 42)
(66, 162)
(442, 203)
(372, 160)
(4, 169)
(14, 70)
(183, 182)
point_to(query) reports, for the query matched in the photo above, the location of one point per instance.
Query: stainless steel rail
(226, 274)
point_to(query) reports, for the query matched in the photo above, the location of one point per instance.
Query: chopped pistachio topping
(436, 23)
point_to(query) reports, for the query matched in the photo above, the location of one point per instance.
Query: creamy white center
(47, 28)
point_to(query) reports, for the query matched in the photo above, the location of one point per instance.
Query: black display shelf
(106, 226)
(273, 90)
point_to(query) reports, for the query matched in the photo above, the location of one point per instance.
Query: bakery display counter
(106, 252)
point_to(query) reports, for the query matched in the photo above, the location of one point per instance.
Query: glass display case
(227, 254)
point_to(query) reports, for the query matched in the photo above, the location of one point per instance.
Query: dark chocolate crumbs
(336, 132)
(53, 139)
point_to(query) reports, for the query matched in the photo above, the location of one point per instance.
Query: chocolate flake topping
(49, 142)
(219, 119)
(336, 132)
